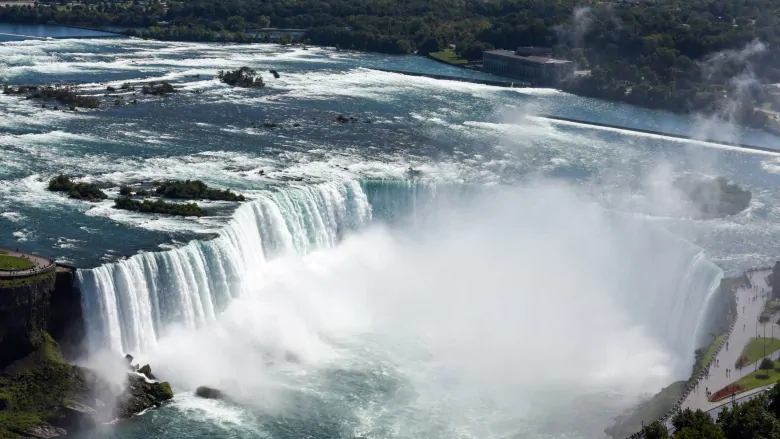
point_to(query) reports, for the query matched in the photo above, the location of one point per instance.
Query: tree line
(658, 53)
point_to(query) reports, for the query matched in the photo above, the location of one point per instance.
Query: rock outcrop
(209, 393)
(46, 397)
(713, 198)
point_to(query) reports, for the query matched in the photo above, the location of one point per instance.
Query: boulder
(208, 393)
(147, 370)
(141, 395)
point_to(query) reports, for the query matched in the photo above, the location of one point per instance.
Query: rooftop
(534, 59)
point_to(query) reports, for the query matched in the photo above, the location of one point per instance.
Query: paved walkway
(40, 264)
(746, 328)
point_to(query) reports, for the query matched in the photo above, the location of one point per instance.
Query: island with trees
(242, 77)
(193, 190)
(713, 197)
(158, 206)
(65, 95)
(79, 191)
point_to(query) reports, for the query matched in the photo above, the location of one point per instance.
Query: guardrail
(689, 388)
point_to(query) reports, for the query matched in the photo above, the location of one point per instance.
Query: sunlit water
(340, 269)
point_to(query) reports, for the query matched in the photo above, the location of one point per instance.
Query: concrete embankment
(496, 83)
(664, 134)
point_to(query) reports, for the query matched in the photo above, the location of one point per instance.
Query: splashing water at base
(481, 319)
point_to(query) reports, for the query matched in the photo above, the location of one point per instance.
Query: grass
(3, 252)
(14, 263)
(23, 281)
(752, 381)
(755, 351)
(448, 56)
(703, 357)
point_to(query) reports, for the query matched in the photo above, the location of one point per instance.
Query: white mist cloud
(532, 291)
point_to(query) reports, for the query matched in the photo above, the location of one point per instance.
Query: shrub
(125, 190)
(766, 364)
(762, 376)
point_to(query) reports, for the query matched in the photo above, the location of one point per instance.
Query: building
(531, 64)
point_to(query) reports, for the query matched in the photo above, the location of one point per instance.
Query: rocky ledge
(713, 197)
(42, 396)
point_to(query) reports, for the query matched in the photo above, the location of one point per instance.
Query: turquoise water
(344, 262)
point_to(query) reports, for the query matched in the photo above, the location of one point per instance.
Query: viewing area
(15, 265)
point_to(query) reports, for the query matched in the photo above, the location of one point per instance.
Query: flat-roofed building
(531, 64)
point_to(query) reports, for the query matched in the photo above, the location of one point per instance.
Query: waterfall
(670, 286)
(128, 303)
(668, 282)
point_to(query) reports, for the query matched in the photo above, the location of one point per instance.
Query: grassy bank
(648, 411)
(758, 379)
(22, 281)
(449, 57)
(759, 348)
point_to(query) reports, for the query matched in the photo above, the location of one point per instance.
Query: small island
(243, 77)
(195, 189)
(63, 94)
(162, 89)
(159, 206)
(78, 191)
(713, 197)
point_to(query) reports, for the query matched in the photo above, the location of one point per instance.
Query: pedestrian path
(746, 327)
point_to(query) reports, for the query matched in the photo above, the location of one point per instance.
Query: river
(538, 277)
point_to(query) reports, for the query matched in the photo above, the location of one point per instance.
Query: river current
(535, 280)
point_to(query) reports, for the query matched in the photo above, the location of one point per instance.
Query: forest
(698, 55)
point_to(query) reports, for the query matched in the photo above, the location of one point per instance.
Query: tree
(751, 420)
(766, 364)
(689, 418)
(655, 431)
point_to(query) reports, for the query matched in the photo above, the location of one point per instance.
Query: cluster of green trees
(159, 206)
(243, 77)
(195, 189)
(757, 418)
(79, 191)
(657, 53)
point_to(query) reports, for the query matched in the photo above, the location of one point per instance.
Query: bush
(762, 376)
(125, 190)
(766, 364)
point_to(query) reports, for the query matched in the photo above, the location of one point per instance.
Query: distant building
(531, 64)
